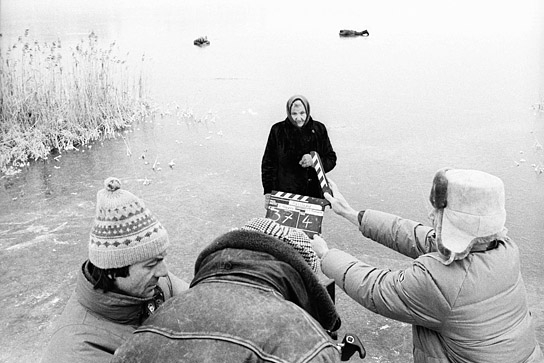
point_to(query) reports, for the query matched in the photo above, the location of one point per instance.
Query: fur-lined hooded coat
(253, 299)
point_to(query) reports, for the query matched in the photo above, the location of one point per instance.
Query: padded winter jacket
(473, 310)
(253, 299)
(94, 324)
(287, 143)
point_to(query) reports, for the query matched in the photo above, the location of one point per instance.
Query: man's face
(143, 277)
(298, 113)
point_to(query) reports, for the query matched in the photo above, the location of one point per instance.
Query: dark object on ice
(202, 41)
(353, 33)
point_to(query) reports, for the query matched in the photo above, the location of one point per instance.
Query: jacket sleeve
(405, 236)
(408, 295)
(327, 355)
(269, 164)
(172, 285)
(327, 154)
(67, 345)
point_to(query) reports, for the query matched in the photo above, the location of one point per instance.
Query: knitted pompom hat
(292, 236)
(124, 230)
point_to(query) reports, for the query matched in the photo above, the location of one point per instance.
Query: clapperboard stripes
(301, 201)
(297, 197)
(318, 166)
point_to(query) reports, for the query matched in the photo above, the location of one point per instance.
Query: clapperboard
(299, 211)
(304, 213)
(318, 166)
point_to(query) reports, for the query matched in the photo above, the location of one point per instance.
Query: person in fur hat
(123, 282)
(286, 164)
(254, 298)
(463, 293)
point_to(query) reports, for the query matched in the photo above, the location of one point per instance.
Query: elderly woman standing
(287, 165)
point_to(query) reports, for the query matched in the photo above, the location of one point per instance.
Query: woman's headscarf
(306, 107)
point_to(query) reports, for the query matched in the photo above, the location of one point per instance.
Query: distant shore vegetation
(54, 98)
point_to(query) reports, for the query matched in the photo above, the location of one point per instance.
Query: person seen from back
(255, 297)
(463, 293)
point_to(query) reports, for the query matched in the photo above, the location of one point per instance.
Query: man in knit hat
(124, 280)
(254, 298)
(463, 293)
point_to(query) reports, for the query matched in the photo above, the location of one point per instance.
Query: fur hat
(471, 210)
(124, 230)
(292, 236)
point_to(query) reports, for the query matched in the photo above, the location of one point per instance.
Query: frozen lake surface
(434, 85)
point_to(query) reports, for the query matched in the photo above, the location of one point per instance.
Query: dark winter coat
(253, 299)
(287, 143)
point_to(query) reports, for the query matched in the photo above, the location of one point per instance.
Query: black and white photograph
(271, 181)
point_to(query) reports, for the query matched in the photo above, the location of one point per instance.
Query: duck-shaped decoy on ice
(353, 33)
(202, 41)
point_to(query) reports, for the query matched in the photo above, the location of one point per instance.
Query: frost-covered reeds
(52, 98)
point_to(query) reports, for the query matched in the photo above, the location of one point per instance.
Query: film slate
(298, 211)
(318, 166)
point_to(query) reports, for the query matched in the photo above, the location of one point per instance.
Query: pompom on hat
(471, 211)
(124, 230)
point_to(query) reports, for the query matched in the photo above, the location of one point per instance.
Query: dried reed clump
(52, 98)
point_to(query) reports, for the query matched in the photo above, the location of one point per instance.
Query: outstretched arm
(340, 205)
(408, 295)
(408, 237)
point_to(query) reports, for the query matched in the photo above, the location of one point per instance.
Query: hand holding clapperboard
(299, 211)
